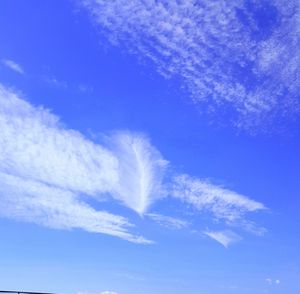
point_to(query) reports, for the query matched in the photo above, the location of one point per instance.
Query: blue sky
(149, 146)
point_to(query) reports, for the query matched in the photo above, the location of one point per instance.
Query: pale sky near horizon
(150, 146)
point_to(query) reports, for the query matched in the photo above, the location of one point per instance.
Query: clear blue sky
(149, 146)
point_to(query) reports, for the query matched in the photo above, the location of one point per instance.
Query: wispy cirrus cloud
(222, 203)
(46, 168)
(48, 174)
(142, 169)
(13, 65)
(223, 52)
(36, 202)
(168, 221)
(225, 238)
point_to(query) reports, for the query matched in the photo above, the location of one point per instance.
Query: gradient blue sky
(149, 146)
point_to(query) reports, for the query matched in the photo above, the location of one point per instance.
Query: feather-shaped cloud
(48, 173)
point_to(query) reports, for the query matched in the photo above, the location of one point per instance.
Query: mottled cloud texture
(238, 55)
(48, 174)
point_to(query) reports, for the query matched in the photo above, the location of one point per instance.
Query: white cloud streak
(35, 202)
(168, 221)
(221, 50)
(49, 174)
(226, 238)
(13, 66)
(45, 168)
(35, 146)
(222, 203)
